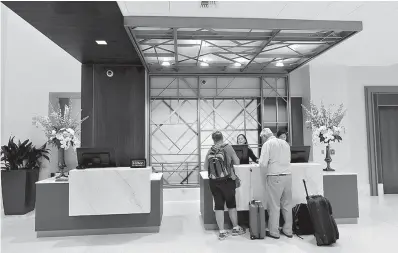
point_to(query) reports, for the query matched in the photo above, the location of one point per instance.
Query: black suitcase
(325, 227)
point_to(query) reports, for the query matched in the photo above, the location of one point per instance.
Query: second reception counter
(253, 187)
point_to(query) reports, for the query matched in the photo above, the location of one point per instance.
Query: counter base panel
(342, 192)
(52, 213)
(108, 231)
(347, 221)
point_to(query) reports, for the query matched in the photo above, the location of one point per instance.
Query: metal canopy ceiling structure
(191, 45)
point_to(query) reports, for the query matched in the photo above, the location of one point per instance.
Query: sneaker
(267, 233)
(222, 236)
(238, 231)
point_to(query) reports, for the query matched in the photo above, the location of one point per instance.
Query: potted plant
(326, 126)
(62, 131)
(20, 174)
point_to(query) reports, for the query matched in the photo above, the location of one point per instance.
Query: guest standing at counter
(222, 181)
(275, 163)
(242, 140)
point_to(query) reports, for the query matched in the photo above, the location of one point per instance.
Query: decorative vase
(328, 159)
(61, 165)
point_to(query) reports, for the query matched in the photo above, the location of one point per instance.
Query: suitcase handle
(251, 187)
(305, 186)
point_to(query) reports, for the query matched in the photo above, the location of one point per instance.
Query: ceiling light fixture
(101, 42)
(204, 64)
(165, 63)
(241, 60)
(280, 64)
(237, 64)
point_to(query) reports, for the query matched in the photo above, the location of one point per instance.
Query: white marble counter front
(253, 183)
(107, 191)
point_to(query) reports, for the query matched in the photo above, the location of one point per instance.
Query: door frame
(371, 121)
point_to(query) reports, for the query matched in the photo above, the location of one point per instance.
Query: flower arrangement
(325, 124)
(61, 129)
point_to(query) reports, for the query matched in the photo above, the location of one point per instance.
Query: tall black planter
(19, 191)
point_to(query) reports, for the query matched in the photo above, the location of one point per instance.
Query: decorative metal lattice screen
(186, 110)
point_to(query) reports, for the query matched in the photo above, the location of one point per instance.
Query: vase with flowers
(326, 126)
(62, 130)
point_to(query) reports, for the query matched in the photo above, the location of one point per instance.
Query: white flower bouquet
(61, 129)
(325, 124)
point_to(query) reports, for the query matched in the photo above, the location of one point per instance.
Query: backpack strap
(226, 165)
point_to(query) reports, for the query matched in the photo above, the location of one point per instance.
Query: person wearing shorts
(223, 188)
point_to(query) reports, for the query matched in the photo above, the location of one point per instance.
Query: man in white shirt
(275, 164)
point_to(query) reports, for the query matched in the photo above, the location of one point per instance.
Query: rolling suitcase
(256, 220)
(325, 227)
(256, 217)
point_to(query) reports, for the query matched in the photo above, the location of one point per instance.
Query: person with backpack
(223, 183)
(275, 165)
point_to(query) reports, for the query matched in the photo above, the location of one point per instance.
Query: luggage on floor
(325, 227)
(302, 224)
(256, 216)
(256, 220)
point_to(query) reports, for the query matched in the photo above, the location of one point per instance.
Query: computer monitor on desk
(96, 158)
(300, 154)
(242, 151)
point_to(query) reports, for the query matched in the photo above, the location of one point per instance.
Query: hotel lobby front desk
(339, 188)
(100, 201)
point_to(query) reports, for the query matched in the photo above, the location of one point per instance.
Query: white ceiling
(374, 46)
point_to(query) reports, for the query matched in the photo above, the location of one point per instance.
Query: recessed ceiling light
(280, 64)
(204, 64)
(241, 60)
(165, 63)
(237, 64)
(101, 42)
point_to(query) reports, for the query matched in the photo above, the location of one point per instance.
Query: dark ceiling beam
(242, 23)
(75, 26)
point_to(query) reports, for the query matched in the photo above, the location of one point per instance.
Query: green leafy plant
(35, 155)
(22, 155)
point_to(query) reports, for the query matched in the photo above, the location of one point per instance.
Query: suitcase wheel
(252, 237)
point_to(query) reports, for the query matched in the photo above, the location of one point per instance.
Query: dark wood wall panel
(118, 111)
(297, 121)
(87, 105)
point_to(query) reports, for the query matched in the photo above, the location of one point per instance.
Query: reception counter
(108, 191)
(100, 201)
(253, 187)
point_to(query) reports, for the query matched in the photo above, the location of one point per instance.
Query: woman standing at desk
(242, 140)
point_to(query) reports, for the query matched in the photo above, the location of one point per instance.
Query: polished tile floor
(181, 232)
